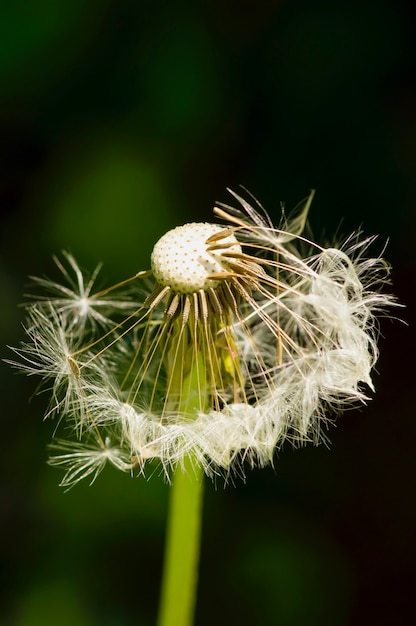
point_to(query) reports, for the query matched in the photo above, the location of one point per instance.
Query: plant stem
(180, 573)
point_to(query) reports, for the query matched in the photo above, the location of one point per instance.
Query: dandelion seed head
(182, 258)
(242, 342)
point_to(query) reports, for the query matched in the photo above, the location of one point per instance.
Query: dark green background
(120, 120)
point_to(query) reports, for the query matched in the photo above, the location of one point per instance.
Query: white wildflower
(241, 343)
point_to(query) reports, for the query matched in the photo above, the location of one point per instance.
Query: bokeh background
(120, 120)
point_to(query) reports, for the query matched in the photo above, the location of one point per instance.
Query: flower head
(241, 341)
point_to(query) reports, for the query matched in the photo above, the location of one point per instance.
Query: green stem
(180, 574)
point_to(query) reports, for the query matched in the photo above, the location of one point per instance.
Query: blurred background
(122, 119)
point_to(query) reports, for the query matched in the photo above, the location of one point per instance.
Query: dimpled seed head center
(180, 259)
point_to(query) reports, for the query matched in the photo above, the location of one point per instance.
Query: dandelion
(241, 336)
(238, 343)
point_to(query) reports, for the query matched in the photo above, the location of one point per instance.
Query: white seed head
(228, 356)
(181, 259)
